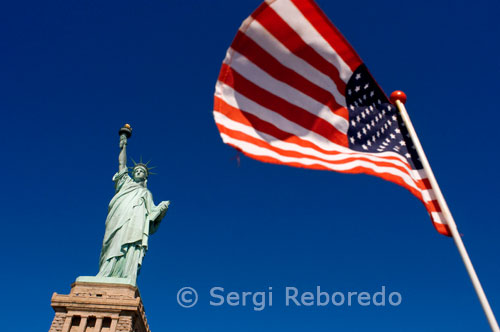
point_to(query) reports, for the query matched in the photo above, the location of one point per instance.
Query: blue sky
(72, 73)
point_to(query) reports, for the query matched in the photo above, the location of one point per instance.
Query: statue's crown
(143, 166)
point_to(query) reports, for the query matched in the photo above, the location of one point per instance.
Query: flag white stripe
(274, 47)
(428, 195)
(438, 218)
(418, 174)
(294, 18)
(259, 77)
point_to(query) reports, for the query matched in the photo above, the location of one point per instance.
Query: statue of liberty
(132, 218)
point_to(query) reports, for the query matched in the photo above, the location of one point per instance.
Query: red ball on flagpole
(398, 95)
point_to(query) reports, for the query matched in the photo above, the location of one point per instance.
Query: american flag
(292, 91)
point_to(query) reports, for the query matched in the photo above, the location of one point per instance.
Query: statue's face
(139, 174)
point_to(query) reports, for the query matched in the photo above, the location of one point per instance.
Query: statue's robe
(132, 217)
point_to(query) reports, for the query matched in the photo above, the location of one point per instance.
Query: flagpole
(399, 98)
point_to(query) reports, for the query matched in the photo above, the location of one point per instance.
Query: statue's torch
(125, 130)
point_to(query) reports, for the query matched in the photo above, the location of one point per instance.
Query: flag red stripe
(289, 111)
(289, 38)
(252, 51)
(442, 229)
(427, 183)
(432, 206)
(329, 32)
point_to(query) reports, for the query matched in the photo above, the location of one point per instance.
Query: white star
(393, 136)
(402, 143)
(369, 143)
(368, 127)
(372, 93)
(364, 147)
(373, 138)
(357, 88)
(353, 123)
(359, 135)
(352, 139)
(351, 107)
(358, 76)
(349, 92)
(358, 118)
(397, 130)
(407, 155)
(366, 86)
(395, 118)
(364, 131)
(373, 122)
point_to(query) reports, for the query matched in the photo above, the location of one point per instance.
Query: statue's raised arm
(125, 133)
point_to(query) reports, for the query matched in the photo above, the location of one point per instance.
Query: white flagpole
(399, 98)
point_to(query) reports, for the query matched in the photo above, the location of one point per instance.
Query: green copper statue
(132, 217)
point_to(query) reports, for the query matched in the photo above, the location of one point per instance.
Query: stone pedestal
(99, 307)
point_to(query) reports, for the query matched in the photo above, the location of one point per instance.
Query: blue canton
(374, 123)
